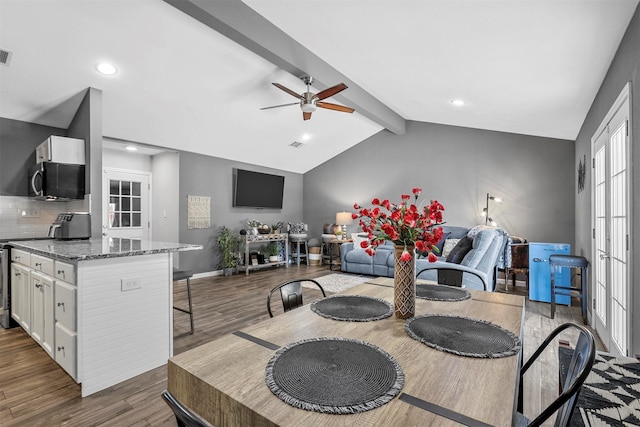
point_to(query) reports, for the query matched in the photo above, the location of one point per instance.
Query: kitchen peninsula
(102, 308)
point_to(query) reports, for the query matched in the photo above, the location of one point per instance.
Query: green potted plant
(227, 247)
(272, 251)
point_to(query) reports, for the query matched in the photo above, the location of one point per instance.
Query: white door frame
(105, 201)
(623, 101)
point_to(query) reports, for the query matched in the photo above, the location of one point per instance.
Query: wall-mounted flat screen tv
(257, 189)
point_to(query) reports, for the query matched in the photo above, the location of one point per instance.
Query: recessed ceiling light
(131, 148)
(458, 102)
(106, 68)
(306, 137)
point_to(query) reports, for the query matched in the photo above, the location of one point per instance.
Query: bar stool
(182, 275)
(571, 262)
(297, 240)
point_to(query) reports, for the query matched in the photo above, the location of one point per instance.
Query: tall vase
(404, 284)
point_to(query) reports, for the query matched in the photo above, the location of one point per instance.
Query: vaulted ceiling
(193, 74)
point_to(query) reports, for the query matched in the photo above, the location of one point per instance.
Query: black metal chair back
(184, 417)
(579, 368)
(291, 294)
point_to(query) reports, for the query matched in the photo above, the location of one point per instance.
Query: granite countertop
(108, 247)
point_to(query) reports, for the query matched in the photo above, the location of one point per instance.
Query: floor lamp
(485, 212)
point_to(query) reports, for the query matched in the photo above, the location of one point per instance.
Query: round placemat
(334, 375)
(352, 308)
(441, 293)
(463, 336)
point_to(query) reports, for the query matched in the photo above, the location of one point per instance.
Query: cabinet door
(42, 327)
(21, 296)
(66, 349)
(65, 306)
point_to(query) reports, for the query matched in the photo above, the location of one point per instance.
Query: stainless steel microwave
(56, 181)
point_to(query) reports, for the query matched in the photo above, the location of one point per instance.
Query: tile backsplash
(24, 217)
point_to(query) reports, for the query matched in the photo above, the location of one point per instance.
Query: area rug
(337, 282)
(611, 394)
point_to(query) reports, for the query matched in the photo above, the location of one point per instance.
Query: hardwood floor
(35, 391)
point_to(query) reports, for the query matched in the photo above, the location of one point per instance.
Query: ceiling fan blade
(331, 91)
(336, 107)
(281, 105)
(289, 91)
(306, 116)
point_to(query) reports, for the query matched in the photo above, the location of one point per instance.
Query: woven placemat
(334, 375)
(352, 308)
(463, 336)
(441, 293)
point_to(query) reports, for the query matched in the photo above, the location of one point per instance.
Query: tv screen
(257, 190)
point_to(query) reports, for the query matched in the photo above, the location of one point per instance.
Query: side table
(338, 242)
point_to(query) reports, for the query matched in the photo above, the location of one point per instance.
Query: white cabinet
(66, 350)
(65, 272)
(42, 264)
(21, 295)
(42, 324)
(65, 304)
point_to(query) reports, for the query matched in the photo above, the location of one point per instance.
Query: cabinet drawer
(65, 271)
(65, 304)
(42, 263)
(20, 256)
(66, 349)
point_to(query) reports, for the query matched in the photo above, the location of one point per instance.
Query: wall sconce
(343, 219)
(485, 211)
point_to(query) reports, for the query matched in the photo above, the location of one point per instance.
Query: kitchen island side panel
(124, 318)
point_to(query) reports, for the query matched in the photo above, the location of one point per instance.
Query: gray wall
(211, 176)
(87, 125)
(625, 67)
(457, 166)
(18, 142)
(165, 189)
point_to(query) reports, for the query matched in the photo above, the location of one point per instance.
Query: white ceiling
(523, 66)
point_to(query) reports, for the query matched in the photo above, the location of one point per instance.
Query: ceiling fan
(309, 100)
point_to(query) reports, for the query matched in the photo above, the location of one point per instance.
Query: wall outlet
(131, 283)
(29, 213)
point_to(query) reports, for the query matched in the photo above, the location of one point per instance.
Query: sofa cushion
(449, 244)
(455, 231)
(461, 249)
(441, 242)
(481, 246)
(357, 239)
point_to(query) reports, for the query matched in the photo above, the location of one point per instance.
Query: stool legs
(553, 291)
(190, 311)
(581, 293)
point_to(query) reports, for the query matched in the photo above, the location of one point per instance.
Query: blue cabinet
(540, 272)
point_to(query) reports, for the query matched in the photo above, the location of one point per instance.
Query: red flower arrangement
(403, 224)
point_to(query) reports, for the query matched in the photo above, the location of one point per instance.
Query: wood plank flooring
(35, 391)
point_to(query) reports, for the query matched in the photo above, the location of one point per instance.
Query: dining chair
(291, 294)
(578, 371)
(451, 276)
(184, 417)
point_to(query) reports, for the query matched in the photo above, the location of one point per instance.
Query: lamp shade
(343, 218)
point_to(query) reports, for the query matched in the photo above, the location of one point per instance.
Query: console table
(264, 238)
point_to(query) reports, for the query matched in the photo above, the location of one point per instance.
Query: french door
(126, 204)
(611, 195)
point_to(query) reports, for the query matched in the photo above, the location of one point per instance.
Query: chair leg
(553, 291)
(583, 292)
(190, 311)
(190, 303)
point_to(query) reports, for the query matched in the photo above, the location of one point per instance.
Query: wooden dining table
(223, 381)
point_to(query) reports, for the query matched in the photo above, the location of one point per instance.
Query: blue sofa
(479, 266)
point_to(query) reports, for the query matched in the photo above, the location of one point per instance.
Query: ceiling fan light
(308, 108)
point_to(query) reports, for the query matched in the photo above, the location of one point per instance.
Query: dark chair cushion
(460, 250)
